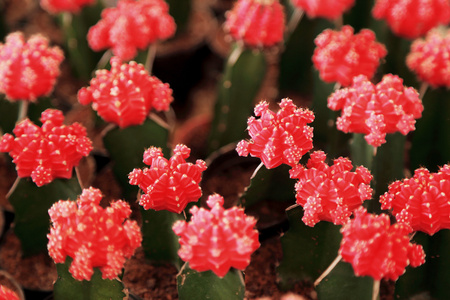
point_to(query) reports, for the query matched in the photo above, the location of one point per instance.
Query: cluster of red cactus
(330, 9)
(58, 6)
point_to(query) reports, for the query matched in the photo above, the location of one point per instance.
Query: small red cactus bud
(125, 94)
(218, 239)
(341, 55)
(49, 152)
(58, 6)
(278, 138)
(330, 9)
(428, 58)
(168, 184)
(330, 193)
(377, 249)
(258, 23)
(376, 110)
(423, 201)
(130, 26)
(414, 18)
(93, 236)
(28, 68)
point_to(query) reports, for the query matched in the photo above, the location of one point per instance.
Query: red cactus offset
(218, 239)
(94, 237)
(414, 18)
(131, 26)
(330, 9)
(28, 69)
(257, 23)
(423, 201)
(376, 110)
(168, 184)
(341, 55)
(46, 152)
(330, 193)
(428, 58)
(7, 294)
(58, 6)
(278, 138)
(126, 94)
(378, 249)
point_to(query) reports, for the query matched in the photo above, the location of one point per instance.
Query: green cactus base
(207, 285)
(68, 288)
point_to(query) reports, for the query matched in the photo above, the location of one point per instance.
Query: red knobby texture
(258, 23)
(168, 184)
(58, 6)
(125, 94)
(329, 9)
(376, 110)
(377, 249)
(94, 237)
(277, 138)
(7, 294)
(413, 18)
(218, 239)
(423, 201)
(341, 55)
(330, 193)
(429, 58)
(28, 69)
(46, 152)
(131, 26)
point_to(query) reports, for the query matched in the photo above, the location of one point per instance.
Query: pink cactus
(168, 184)
(414, 18)
(330, 9)
(59, 6)
(46, 152)
(423, 201)
(126, 94)
(376, 110)
(428, 58)
(218, 239)
(258, 23)
(330, 193)
(131, 26)
(28, 69)
(94, 237)
(341, 55)
(277, 138)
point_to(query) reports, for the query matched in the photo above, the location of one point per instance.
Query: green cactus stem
(158, 239)
(207, 285)
(307, 251)
(126, 148)
(31, 205)
(242, 78)
(68, 288)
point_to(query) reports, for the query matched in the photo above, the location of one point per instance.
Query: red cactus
(342, 55)
(130, 26)
(218, 239)
(412, 19)
(423, 201)
(330, 9)
(48, 152)
(7, 294)
(94, 237)
(377, 249)
(258, 23)
(376, 110)
(58, 6)
(28, 69)
(168, 184)
(330, 193)
(126, 94)
(278, 138)
(428, 58)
